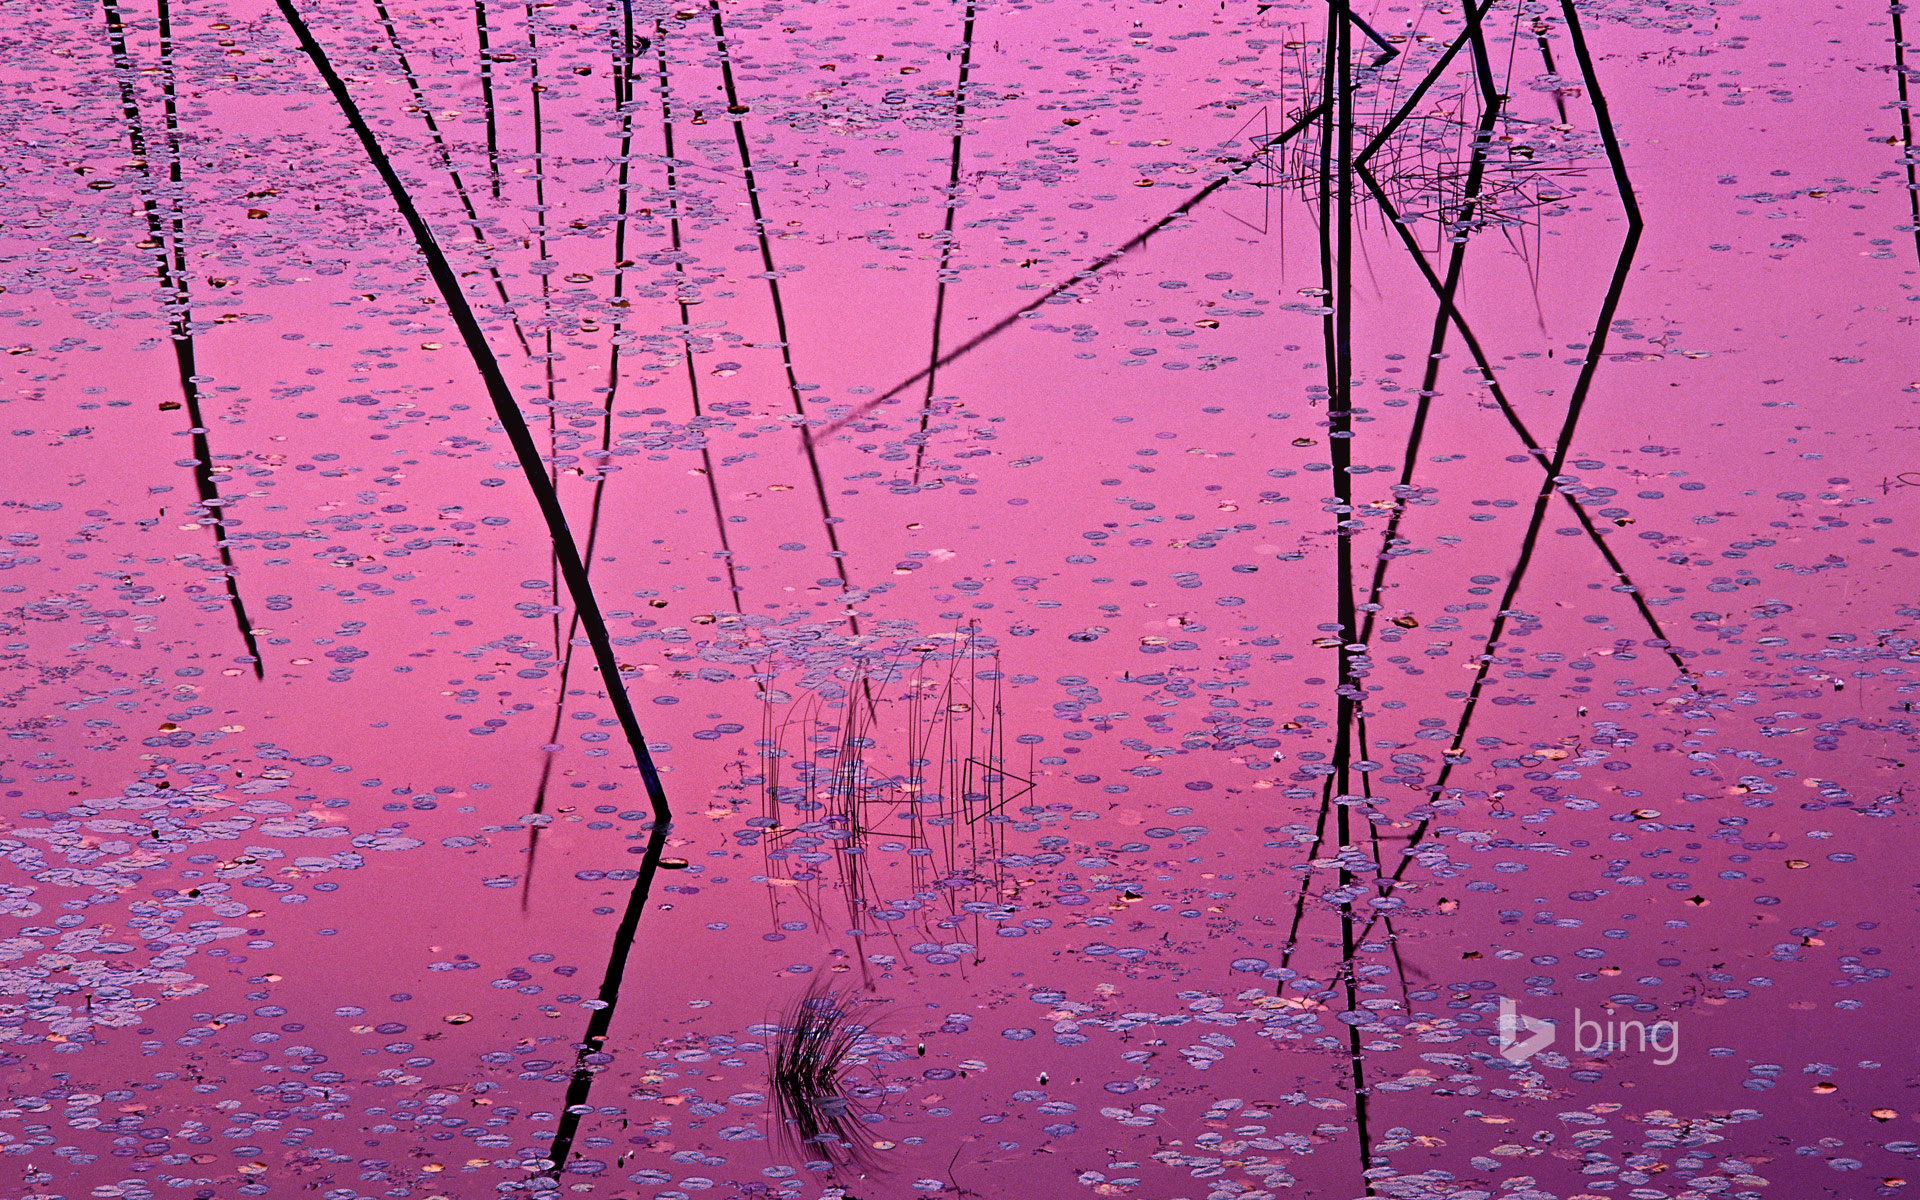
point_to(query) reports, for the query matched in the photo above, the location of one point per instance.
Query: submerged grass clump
(818, 1047)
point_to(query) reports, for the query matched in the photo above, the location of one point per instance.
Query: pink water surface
(330, 956)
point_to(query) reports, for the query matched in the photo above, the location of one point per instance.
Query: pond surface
(1227, 600)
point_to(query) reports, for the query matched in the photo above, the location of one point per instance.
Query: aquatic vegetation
(812, 1060)
(997, 599)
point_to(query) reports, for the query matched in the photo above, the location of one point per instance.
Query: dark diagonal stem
(1235, 169)
(1596, 350)
(1451, 313)
(505, 408)
(1434, 74)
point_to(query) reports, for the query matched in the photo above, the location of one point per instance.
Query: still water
(1228, 600)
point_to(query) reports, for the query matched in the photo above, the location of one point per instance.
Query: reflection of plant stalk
(594, 1042)
(623, 99)
(686, 312)
(946, 237)
(1450, 312)
(486, 96)
(737, 111)
(1906, 117)
(172, 269)
(506, 303)
(950, 778)
(1576, 404)
(546, 317)
(562, 643)
(446, 164)
(1336, 279)
(1491, 102)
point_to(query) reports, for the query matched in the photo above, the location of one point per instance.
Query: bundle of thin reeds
(818, 1047)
